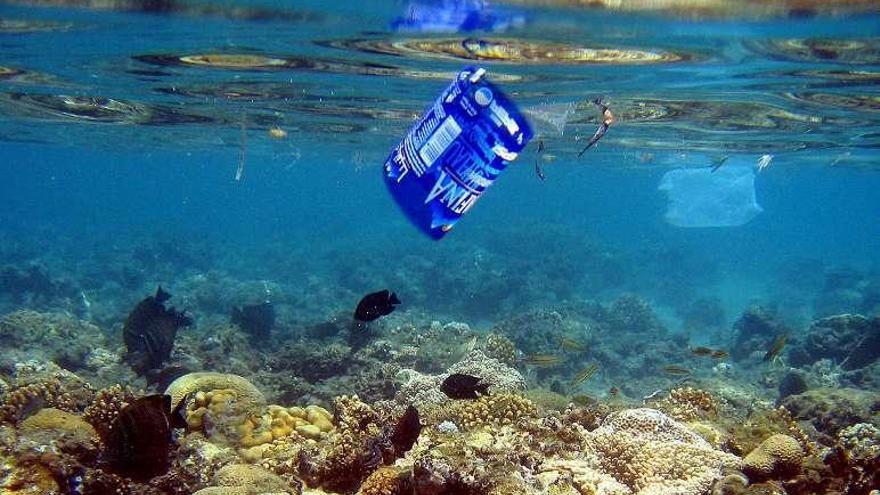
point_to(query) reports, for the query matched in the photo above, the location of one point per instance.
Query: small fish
(719, 163)
(538, 171)
(613, 391)
(776, 346)
(676, 370)
(583, 400)
(571, 345)
(542, 360)
(701, 351)
(607, 120)
(719, 354)
(584, 375)
(375, 305)
(461, 386)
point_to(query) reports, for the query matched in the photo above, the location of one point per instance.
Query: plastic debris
(460, 146)
(453, 16)
(699, 197)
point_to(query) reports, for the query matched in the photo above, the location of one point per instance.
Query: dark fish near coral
(584, 375)
(140, 441)
(162, 378)
(542, 360)
(461, 386)
(675, 370)
(257, 320)
(776, 346)
(376, 305)
(149, 332)
(406, 432)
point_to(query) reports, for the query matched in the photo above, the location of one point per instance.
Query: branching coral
(106, 406)
(498, 409)
(501, 348)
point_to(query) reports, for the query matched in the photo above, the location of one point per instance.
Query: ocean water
(137, 150)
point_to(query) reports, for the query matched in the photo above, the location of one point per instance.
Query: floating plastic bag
(463, 142)
(699, 197)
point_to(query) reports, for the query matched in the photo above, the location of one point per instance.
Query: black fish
(406, 432)
(149, 332)
(376, 305)
(162, 378)
(461, 386)
(140, 441)
(257, 320)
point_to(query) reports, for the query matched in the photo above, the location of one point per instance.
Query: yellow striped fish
(584, 374)
(542, 360)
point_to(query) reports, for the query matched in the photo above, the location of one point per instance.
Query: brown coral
(778, 456)
(383, 481)
(22, 400)
(688, 404)
(501, 348)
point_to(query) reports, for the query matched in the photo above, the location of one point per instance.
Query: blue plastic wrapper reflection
(453, 16)
(462, 143)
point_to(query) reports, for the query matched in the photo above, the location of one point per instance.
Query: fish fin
(178, 415)
(393, 298)
(482, 388)
(161, 296)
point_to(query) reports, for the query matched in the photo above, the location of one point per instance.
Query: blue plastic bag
(463, 142)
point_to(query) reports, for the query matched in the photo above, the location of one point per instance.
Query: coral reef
(754, 331)
(778, 456)
(830, 410)
(851, 341)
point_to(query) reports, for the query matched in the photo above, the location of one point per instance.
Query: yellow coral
(246, 395)
(497, 409)
(778, 455)
(383, 481)
(50, 424)
(501, 348)
(247, 475)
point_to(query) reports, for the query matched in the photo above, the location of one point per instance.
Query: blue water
(312, 204)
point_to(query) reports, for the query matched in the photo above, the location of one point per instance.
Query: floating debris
(764, 162)
(542, 360)
(538, 156)
(140, 441)
(776, 347)
(375, 305)
(460, 386)
(149, 332)
(719, 162)
(584, 375)
(518, 51)
(676, 370)
(277, 133)
(257, 320)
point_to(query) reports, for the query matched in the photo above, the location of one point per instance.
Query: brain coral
(246, 394)
(778, 455)
(653, 454)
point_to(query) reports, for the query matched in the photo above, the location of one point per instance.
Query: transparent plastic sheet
(701, 197)
(550, 119)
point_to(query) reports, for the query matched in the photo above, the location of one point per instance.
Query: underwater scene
(241, 250)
